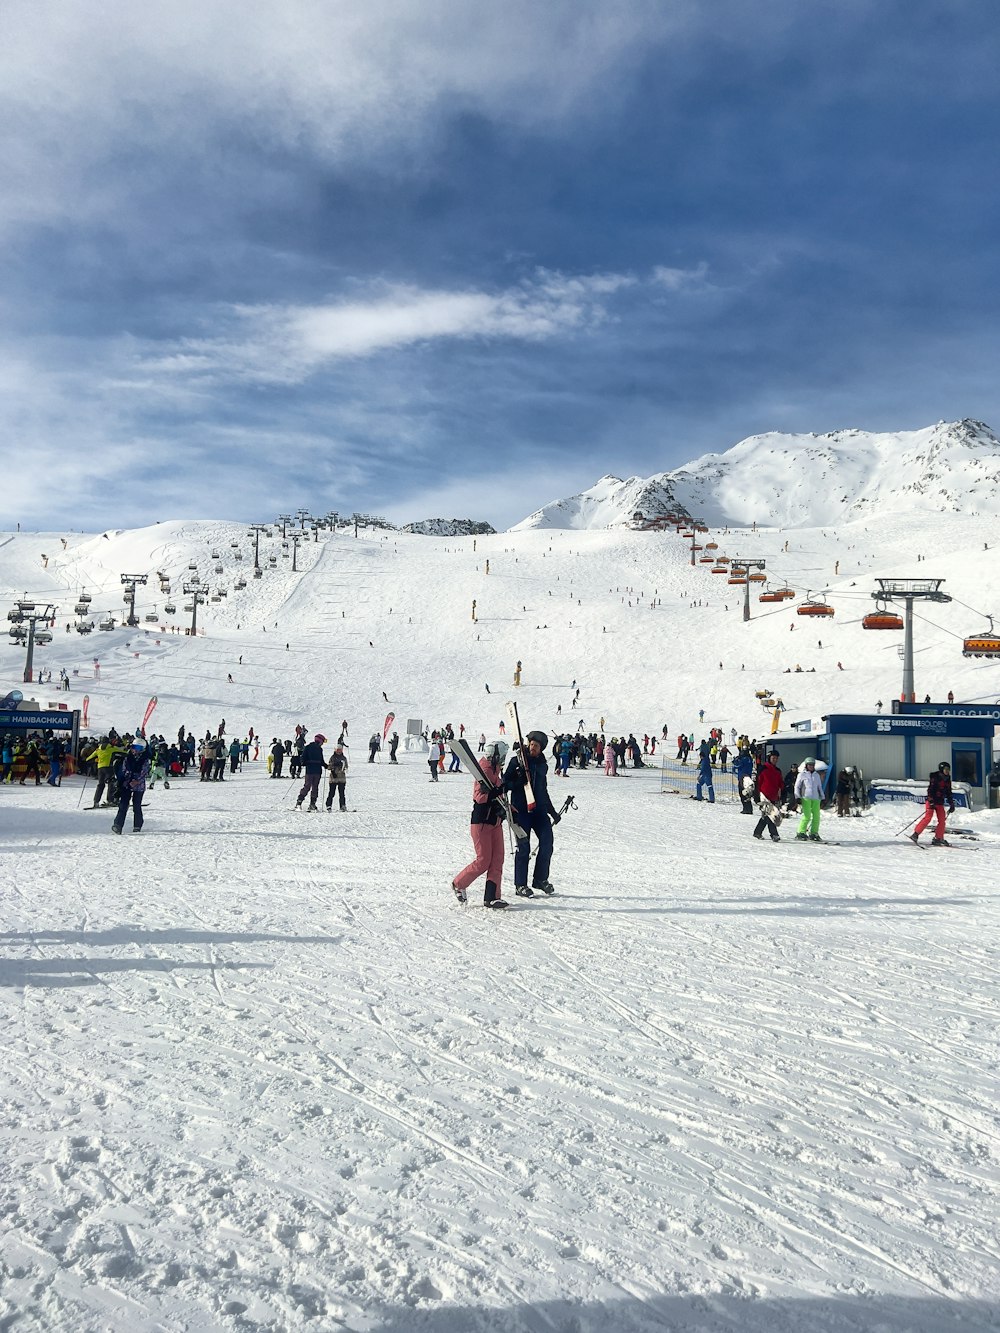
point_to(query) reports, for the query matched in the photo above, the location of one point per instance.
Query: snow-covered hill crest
(792, 481)
(449, 527)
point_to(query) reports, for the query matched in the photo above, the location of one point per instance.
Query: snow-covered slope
(806, 481)
(263, 1073)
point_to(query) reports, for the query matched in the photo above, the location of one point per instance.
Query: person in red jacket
(770, 785)
(938, 795)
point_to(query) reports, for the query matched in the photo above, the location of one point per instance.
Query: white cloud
(681, 279)
(85, 89)
(286, 344)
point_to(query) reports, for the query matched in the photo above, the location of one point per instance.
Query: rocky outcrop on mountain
(449, 527)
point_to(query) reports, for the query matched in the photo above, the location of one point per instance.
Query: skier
(539, 821)
(374, 745)
(314, 763)
(809, 792)
(276, 758)
(486, 828)
(393, 747)
(482, 742)
(770, 785)
(938, 793)
(106, 755)
(434, 755)
(132, 774)
(843, 793)
(337, 768)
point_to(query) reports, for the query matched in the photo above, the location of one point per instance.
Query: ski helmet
(540, 736)
(807, 762)
(944, 765)
(138, 743)
(319, 738)
(495, 751)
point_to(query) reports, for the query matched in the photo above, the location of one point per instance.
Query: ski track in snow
(263, 1072)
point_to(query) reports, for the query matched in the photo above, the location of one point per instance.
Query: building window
(965, 766)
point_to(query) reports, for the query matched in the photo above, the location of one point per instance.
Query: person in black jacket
(314, 764)
(538, 821)
(938, 796)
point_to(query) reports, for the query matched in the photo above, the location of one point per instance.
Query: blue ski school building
(900, 746)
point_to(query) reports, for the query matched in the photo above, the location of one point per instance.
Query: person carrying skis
(532, 767)
(770, 786)
(337, 768)
(314, 763)
(486, 828)
(133, 770)
(939, 795)
(809, 793)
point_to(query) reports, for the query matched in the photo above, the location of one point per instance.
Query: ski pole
(86, 779)
(906, 826)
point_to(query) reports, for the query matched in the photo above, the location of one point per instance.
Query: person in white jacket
(809, 792)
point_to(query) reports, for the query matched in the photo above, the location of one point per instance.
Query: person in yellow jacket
(105, 756)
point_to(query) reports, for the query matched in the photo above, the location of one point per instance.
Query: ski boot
(523, 891)
(801, 837)
(491, 897)
(460, 894)
(940, 842)
(545, 888)
(814, 837)
(914, 838)
(313, 807)
(116, 828)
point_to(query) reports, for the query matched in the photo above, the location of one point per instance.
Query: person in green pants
(809, 791)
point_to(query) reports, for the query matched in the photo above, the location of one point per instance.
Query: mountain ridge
(802, 480)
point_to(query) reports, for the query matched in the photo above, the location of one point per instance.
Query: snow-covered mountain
(792, 481)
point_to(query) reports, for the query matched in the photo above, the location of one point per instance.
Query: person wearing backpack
(337, 768)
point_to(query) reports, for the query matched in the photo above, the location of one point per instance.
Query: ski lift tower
(909, 591)
(746, 566)
(302, 515)
(131, 582)
(26, 612)
(296, 538)
(284, 520)
(195, 592)
(255, 530)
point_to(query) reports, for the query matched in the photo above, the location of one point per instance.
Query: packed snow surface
(263, 1072)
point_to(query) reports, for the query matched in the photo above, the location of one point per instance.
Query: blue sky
(452, 259)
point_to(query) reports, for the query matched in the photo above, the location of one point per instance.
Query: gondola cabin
(982, 645)
(882, 620)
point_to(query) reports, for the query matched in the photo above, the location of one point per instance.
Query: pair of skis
(464, 751)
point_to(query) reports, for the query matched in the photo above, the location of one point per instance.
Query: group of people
(24, 757)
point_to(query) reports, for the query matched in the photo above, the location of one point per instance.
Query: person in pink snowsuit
(610, 760)
(486, 828)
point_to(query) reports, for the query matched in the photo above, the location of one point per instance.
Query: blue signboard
(880, 724)
(27, 720)
(951, 710)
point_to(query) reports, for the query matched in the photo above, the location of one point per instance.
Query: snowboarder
(770, 785)
(539, 821)
(939, 793)
(486, 828)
